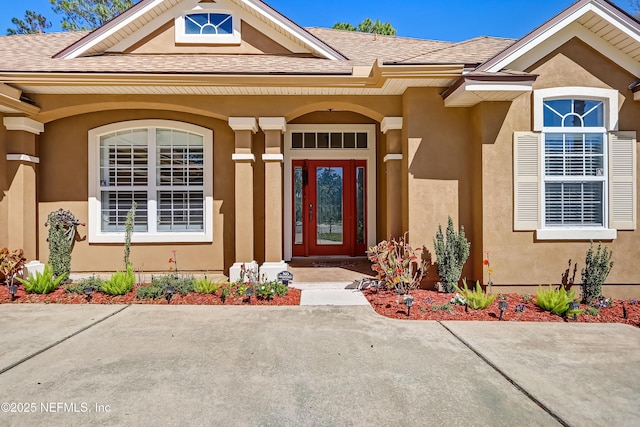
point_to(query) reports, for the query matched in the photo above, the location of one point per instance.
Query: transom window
(162, 169)
(335, 140)
(575, 174)
(208, 23)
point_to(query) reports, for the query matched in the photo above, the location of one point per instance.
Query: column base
(31, 268)
(271, 269)
(236, 268)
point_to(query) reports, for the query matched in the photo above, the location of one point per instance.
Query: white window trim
(182, 37)
(368, 154)
(608, 96)
(95, 233)
(611, 105)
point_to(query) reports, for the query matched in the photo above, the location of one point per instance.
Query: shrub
(598, 266)
(42, 283)
(444, 307)
(478, 299)
(120, 283)
(78, 287)
(268, 290)
(128, 231)
(62, 229)
(11, 262)
(451, 254)
(151, 291)
(181, 284)
(398, 264)
(555, 300)
(205, 286)
(592, 311)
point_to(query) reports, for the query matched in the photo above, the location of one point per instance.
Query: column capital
(390, 123)
(273, 123)
(23, 123)
(23, 158)
(243, 157)
(243, 123)
(389, 157)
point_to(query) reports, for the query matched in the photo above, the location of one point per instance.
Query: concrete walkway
(330, 293)
(299, 366)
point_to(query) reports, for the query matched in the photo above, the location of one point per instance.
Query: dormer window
(208, 25)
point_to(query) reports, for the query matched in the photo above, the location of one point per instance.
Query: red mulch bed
(385, 303)
(59, 296)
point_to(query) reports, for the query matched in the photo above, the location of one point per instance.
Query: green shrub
(476, 299)
(181, 284)
(42, 283)
(598, 266)
(128, 231)
(205, 286)
(444, 307)
(268, 290)
(78, 287)
(592, 311)
(120, 283)
(62, 229)
(555, 300)
(451, 254)
(151, 291)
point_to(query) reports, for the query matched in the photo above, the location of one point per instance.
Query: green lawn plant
(556, 300)
(476, 299)
(120, 283)
(598, 265)
(452, 251)
(42, 283)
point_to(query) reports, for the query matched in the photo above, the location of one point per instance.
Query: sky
(427, 19)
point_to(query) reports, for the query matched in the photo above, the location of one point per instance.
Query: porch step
(330, 293)
(321, 285)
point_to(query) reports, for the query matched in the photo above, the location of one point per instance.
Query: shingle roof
(34, 52)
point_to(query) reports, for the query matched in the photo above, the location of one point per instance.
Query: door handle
(310, 212)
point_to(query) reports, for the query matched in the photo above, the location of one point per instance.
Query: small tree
(32, 23)
(598, 266)
(62, 230)
(451, 254)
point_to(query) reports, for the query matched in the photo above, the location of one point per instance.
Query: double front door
(329, 207)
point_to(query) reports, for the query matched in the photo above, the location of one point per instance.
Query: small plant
(397, 263)
(633, 302)
(78, 287)
(240, 289)
(520, 308)
(476, 299)
(150, 291)
(205, 286)
(503, 297)
(592, 311)
(451, 254)
(42, 283)
(489, 271)
(11, 262)
(428, 300)
(555, 300)
(62, 230)
(225, 292)
(569, 278)
(443, 307)
(526, 298)
(120, 283)
(128, 231)
(269, 290)
(181, 284)
(458, 300)
(598, 266)
(602, 302)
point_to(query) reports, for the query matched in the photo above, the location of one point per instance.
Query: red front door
(329, 207)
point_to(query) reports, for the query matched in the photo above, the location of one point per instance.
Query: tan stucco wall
(438, 145)
(64, 183)
(252, 42)
(517, 257)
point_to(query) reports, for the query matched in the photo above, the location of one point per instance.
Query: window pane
(180, 211)
(329, 185)
(123, 158)
(574, 204)
(179, 158)
(361, 140)
(574, 154)
(360, 205)
(208, 23)
(116, 204)
(350, 140)
(297, 203)
(309, 140)
(573, 113)
(336, 140)
(323, 140)
(296, 140)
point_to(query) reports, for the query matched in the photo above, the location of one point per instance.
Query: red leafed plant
(398, 264)
(11, 263)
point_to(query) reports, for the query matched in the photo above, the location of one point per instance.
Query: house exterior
(245, 138)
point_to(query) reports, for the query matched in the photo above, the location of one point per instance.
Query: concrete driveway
(299, 366)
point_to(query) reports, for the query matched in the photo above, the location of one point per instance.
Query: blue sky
(430, 19)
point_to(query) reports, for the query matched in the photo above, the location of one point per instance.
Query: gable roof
(145, 11)
(600, 21)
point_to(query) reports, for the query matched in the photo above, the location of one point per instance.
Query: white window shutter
(527, 182)
(622, 180)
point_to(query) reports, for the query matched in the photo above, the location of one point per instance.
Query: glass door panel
(329, 206)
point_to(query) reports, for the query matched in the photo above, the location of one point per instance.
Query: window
(575, 175)
(160, 165)
(207, 24)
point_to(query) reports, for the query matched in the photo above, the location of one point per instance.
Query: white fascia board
(259, 8)
(467, 94)
(96, 40)
(273, 123)
(24, 124)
